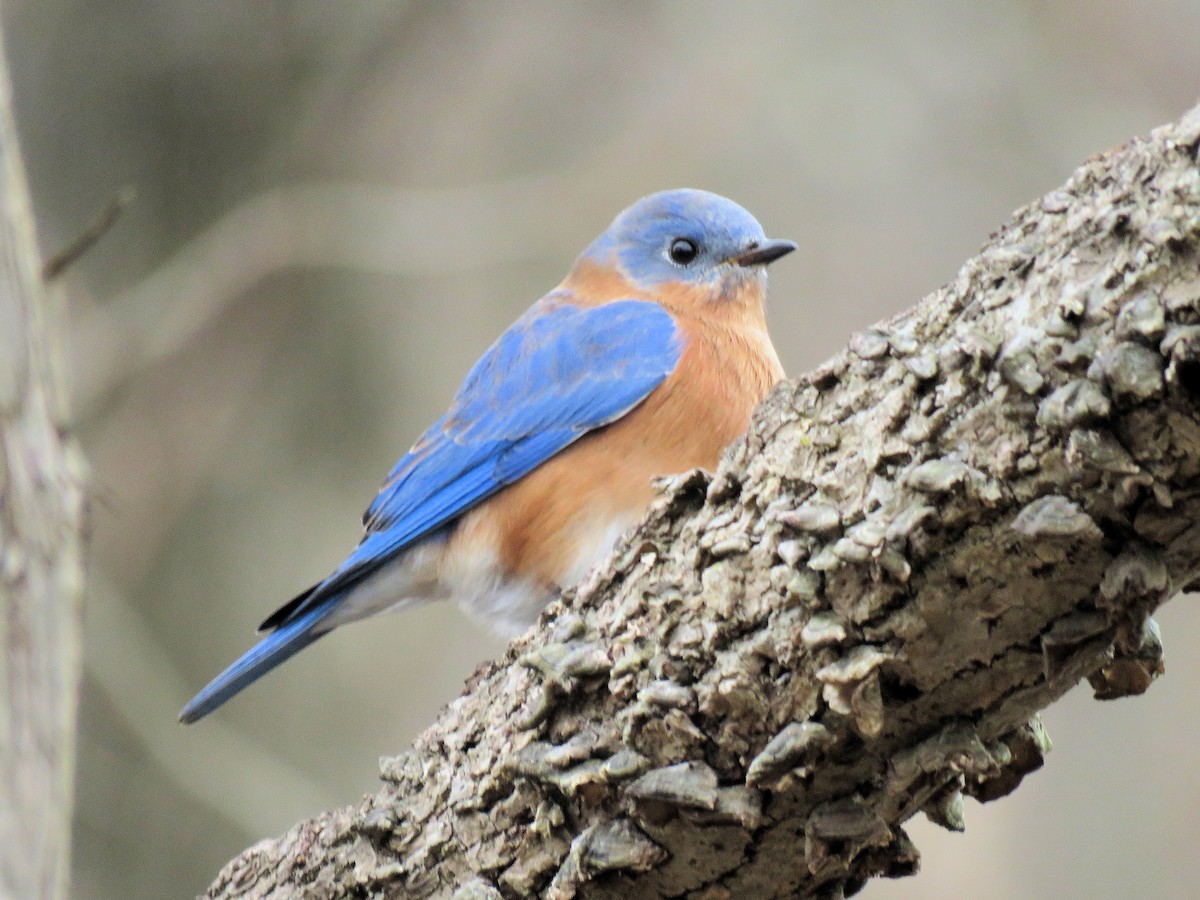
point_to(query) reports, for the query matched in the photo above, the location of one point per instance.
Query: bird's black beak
(763, 253)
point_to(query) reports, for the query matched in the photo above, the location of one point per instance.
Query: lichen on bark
(42, 523)
(917, 547)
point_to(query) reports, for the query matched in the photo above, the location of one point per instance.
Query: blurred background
(338, 207)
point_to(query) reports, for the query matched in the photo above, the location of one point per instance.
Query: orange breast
(538, 527)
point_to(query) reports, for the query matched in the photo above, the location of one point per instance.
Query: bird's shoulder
(561, 370)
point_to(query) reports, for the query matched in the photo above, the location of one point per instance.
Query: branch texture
(916, 548)
(41, 556)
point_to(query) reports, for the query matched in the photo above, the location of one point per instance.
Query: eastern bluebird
(647, 360)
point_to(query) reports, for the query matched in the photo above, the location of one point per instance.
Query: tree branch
(41, 553)
(915, 549)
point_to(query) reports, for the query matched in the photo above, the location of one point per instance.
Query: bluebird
(647, 360)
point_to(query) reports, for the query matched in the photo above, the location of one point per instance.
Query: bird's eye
(683, 251)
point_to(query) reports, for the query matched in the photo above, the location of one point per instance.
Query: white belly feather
(473, 578)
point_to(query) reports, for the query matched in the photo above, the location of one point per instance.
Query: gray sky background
(340, 205)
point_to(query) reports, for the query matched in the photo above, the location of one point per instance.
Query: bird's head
(689, 239)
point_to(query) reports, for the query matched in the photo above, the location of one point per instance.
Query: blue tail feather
(260, 659)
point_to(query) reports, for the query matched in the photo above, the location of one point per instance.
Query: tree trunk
(916, 548)
(41, 570)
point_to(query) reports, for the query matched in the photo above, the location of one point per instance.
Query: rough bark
(858, 617)
(41, 572)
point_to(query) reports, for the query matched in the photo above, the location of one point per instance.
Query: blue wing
(557, 373)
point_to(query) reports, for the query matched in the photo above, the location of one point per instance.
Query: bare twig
(368, 228)
(41, 554)
(96, 229)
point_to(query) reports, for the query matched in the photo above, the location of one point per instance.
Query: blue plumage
(579, 359)
(273, 650)
(638, 239)
(557, 373)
